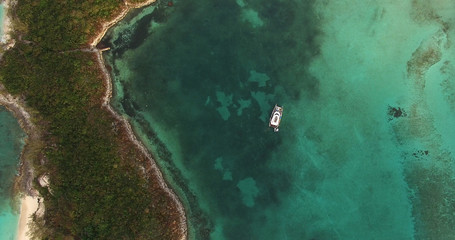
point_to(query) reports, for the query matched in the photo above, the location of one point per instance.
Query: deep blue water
(364, 152)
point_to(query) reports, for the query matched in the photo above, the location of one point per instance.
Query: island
(83, 175)
(365, 148)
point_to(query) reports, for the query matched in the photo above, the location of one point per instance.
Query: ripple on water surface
(199, 80)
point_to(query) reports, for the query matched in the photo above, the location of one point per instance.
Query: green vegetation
(97, 187)
(66, 24)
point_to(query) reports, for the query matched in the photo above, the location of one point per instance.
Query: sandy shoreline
(16, 106)
(7, 26)
(106, 103)
(29, 203)
(118, 18)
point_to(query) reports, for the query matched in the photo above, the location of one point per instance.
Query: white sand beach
(6, 25)
(29, 206)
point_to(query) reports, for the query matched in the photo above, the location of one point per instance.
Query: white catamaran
(275, 118)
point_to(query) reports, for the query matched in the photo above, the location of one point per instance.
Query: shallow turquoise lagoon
(10, 148)
(366, 142)
(2, 14)
(11, 136)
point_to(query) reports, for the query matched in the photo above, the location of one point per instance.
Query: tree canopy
(100, 184)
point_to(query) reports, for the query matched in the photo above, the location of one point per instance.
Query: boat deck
(275, 117)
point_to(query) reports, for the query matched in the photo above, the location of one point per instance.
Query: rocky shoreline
(17, 106)
(106, 104)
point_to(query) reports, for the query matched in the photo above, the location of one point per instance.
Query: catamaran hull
(275, 118)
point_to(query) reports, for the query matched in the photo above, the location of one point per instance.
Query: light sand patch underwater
(380, 172)
(364, 146)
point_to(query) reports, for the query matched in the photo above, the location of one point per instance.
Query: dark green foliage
(103, 197)
(98, 191)
(64, 24)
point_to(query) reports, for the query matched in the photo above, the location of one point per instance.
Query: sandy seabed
(106, 103)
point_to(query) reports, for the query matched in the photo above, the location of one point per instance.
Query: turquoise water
(10, 148)
(11, 136)
(365, 147)
(2, 14)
